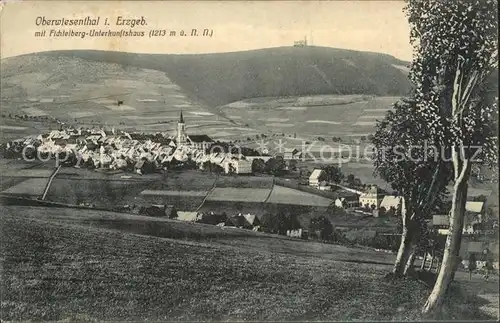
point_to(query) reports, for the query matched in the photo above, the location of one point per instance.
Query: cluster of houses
(121, 150)
(240, 220)
(372, 199)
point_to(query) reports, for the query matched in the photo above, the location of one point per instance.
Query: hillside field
(81, 265)
(218, 79)
(82, 88)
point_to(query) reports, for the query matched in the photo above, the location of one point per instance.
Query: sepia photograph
(264, 161)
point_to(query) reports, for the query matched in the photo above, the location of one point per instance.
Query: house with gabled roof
(371, 196)
(317, 176)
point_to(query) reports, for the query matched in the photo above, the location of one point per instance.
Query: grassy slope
(62, 264)
(218, 79)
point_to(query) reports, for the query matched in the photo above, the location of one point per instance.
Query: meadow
(311, 116)
(85, 93)
(74, 265)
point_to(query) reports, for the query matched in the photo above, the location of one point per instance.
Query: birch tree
(414, 168)
(455, 55)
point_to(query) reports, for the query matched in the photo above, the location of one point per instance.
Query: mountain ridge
(221, 78)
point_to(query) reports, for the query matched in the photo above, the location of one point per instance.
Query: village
(112, 150)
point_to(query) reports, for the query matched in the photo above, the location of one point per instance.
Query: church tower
(181, 131)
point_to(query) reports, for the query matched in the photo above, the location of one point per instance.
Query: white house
(475, 207)
(188, 216)
(372, 196)
(392, 202)
(299, 233)
(316, 177)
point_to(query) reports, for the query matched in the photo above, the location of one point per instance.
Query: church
(195, 141)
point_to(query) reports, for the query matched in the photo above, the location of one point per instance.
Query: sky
(370, 25)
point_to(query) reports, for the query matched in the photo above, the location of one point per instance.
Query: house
(213, 218)
(372, 196)
(188, 216)
(143, 166)
(475, 207)
(119, 163)
(317, 176)
(442, 223)
(238, 221)
(200, 141)
(291, 154)
(170, 211)
(299, 233)
(252, 219)
(391, 203)
(139, 166)
(238, 166)
(161, 211)
(347, 201)
(323, 186)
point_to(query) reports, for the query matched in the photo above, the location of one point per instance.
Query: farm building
(238, 166)
(317, 176)
(372, 196)
(298, 233)
(161, 211)
(252, 219)
(291, 154)
(323, 186)
(238, 221)
(347, 202)
(442, 223)
(390, 203)
(475, 207)
(188, 216)
(213, 218)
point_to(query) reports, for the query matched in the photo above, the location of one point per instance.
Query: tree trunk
(452, 247)
(457, 252)
(410, 263)
(407, 248)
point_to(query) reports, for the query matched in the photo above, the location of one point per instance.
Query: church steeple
(181, 131)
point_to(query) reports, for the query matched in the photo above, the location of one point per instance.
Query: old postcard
(249, 161)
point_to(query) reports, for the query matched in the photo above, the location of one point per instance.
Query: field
(239, 194)
(82, 88)
(80, 265)
(312, 116)
(86, 95)
(285, 195)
